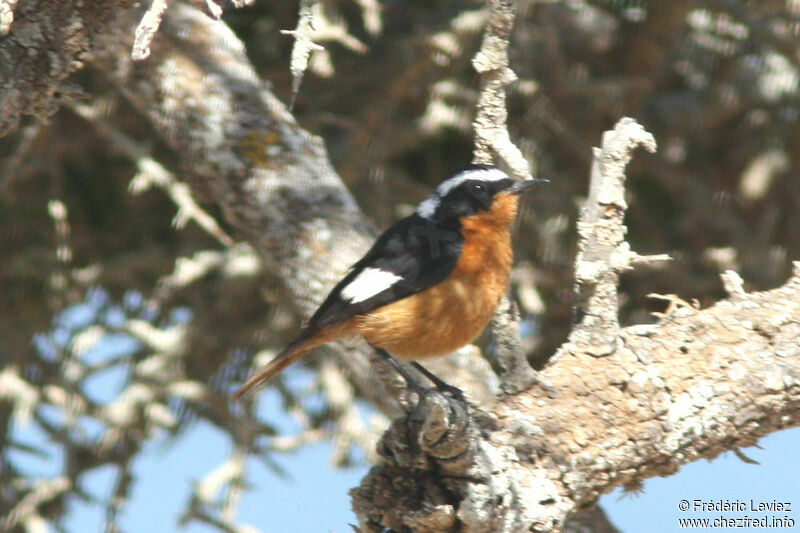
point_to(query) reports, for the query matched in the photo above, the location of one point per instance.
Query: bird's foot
(441, 386)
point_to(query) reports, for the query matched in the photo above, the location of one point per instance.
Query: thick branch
(47, 42)
(237, 141)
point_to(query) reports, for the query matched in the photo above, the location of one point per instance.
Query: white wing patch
(369, 283)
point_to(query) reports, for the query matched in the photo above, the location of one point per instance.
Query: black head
(469, 192)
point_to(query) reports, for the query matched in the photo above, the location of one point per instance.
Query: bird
(429, 284)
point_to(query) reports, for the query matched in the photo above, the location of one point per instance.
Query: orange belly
(433, 322)
(445, 317)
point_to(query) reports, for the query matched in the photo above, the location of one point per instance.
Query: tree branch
(304, 45)
(492, 141)
(47, 42)
(493, 145)
(603, 252)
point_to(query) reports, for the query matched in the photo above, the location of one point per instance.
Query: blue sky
(165, 473)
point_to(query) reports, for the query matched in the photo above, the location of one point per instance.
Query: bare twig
(12, 170)
(6, 15)
(44, 491)
(516, 374)
(236, 483)
(304, 46)
(119, 496)
(59, 281)
(371, 14)
(603, 252)
(351, 427)
(733, 283)
(147, 29)
(151, 21)
(492, 141)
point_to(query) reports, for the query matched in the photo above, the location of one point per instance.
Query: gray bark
(49, 41)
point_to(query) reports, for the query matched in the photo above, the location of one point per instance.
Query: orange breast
(444, 317)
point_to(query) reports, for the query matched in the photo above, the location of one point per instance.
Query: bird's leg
(455, 392)
(412, 383)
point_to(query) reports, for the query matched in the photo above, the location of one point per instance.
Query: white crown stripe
(427, 208)
(369, 283)
(492, 174)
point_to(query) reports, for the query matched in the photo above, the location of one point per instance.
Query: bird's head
(478, 194)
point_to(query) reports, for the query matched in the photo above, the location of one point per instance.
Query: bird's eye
(478, 189)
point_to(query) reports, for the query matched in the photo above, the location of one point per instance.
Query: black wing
(420, 252)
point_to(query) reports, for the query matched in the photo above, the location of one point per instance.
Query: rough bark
(492, 141)
(49, 41)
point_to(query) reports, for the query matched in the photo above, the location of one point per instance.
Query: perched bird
(430, 283)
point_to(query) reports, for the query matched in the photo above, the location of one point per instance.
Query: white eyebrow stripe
(427, 208)
(490, 174)
(368, 283)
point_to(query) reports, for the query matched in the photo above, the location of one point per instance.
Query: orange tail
(289, 355)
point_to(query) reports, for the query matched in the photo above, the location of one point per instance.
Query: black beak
(521, 186)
